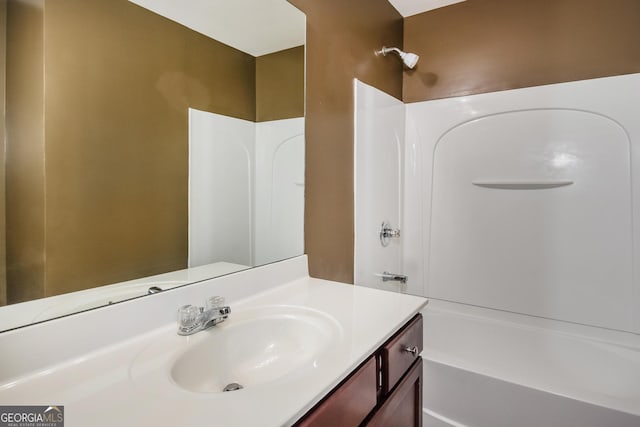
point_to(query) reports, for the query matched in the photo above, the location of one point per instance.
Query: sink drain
(232, 387)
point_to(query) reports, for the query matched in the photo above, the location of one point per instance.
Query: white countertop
(97, 388)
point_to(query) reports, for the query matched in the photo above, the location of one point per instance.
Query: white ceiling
(256, 27)
(413, 7)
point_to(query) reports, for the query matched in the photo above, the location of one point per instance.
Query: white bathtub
(486, 368)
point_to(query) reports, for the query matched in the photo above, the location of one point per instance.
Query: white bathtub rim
(520, 377)
(627, 340)
(440, 418)
(612, 404)
(472, 399)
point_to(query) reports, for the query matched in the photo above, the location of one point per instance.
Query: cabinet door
(350, 403)
(403, 407)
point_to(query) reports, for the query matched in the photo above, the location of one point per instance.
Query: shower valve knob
(387, 233)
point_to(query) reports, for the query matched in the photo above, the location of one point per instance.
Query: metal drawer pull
(413, 350)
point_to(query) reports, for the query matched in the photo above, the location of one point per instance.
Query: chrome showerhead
(409, 59)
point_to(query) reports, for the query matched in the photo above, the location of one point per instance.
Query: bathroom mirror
(148, 144)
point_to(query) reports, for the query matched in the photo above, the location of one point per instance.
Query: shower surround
(254, 171)
(519, 216)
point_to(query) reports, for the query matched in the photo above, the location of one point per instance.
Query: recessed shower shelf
(520, 185)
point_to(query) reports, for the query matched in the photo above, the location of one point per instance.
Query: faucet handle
(188, 317)
(217, 306)
(215, 302)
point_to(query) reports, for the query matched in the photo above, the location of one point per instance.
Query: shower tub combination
(519, 219)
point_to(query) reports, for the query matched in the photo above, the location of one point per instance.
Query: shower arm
(385, 50)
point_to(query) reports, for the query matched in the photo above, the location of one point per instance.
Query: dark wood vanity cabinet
(403, 407)
(384, 391)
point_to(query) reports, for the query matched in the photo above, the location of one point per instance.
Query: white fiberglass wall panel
(504, 236)
(378, 182)
(279, 220)
(221, 157)
(529, 200)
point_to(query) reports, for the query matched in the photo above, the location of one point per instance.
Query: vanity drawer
(350, 403)
(397, 356)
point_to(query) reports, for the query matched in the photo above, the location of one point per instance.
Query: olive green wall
(341, 38)
(280, 85)
(25, 232)
(3, 57)
(482, 46)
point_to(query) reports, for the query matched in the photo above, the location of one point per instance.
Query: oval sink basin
(253, 347)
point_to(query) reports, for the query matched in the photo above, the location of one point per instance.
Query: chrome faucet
(192, 319)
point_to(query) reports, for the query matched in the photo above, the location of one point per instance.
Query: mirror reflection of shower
(246, 189)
